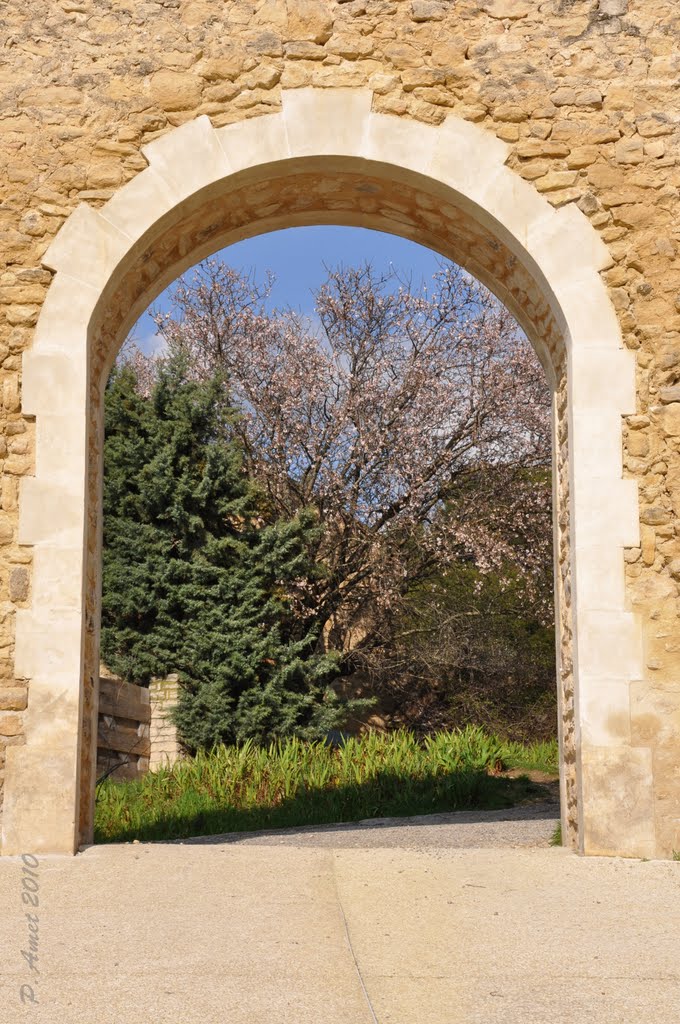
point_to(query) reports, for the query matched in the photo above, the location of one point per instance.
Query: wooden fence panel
(124, 700)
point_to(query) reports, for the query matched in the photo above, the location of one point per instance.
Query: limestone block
(670, 394)
(651, 590)
(412, 79)
(13, 698)
(309, 20)
(654, 125)
(638, 444)
(556, 179)
(618, 801)
(10, 723)
(189, 158)
(582, 156)
(630, 151)
(427, 10)
(654, 516)
(648, 545)
(449, 52)
(18, 584)
(667, 798)
(6, 528)
(55, 96)
(351, 47)
(412, 145)
(609, 645)
(272, 15)
(563, 97)
(589, 98)
(655, 148)
(605, 714)
(654, 714)
(305, 51)
(228, 65)
(39, 810)
(512, 10)
(404, 55)
(176, 90)
(670, 419)
(326, 121)
(246, 143)
(140, 203)
(529, 148)
(603, 590)
(510, 112)
(50, 512)
(87, 248)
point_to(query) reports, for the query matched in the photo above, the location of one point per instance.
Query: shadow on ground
(192, 814)
(526, 825)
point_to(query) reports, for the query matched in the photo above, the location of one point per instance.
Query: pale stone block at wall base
(40, 811)
(667, 800)
(618, 801)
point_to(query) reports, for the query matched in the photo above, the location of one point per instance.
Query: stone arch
(328, 158)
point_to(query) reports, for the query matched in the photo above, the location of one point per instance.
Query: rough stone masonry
(585, 94)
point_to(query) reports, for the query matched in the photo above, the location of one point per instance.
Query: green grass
(542, 757)
(293, 783)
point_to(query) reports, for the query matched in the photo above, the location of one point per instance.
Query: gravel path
(526, 826)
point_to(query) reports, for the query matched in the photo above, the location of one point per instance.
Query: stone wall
(584, 92)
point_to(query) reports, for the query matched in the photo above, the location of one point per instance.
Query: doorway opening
(394, 424)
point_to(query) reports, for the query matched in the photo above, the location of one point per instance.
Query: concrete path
(346, 932)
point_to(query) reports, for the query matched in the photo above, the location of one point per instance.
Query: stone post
(165, 746)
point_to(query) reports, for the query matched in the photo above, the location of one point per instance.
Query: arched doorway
(326, 158)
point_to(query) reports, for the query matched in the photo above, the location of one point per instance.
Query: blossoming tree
(414, 421)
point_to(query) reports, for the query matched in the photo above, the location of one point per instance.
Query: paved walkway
(347, 926)
(515, 826)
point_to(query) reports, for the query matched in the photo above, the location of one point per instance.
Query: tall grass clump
(292, 782)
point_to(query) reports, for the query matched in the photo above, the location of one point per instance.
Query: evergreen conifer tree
(196, 580)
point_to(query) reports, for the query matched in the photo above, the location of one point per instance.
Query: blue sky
(297, 256)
